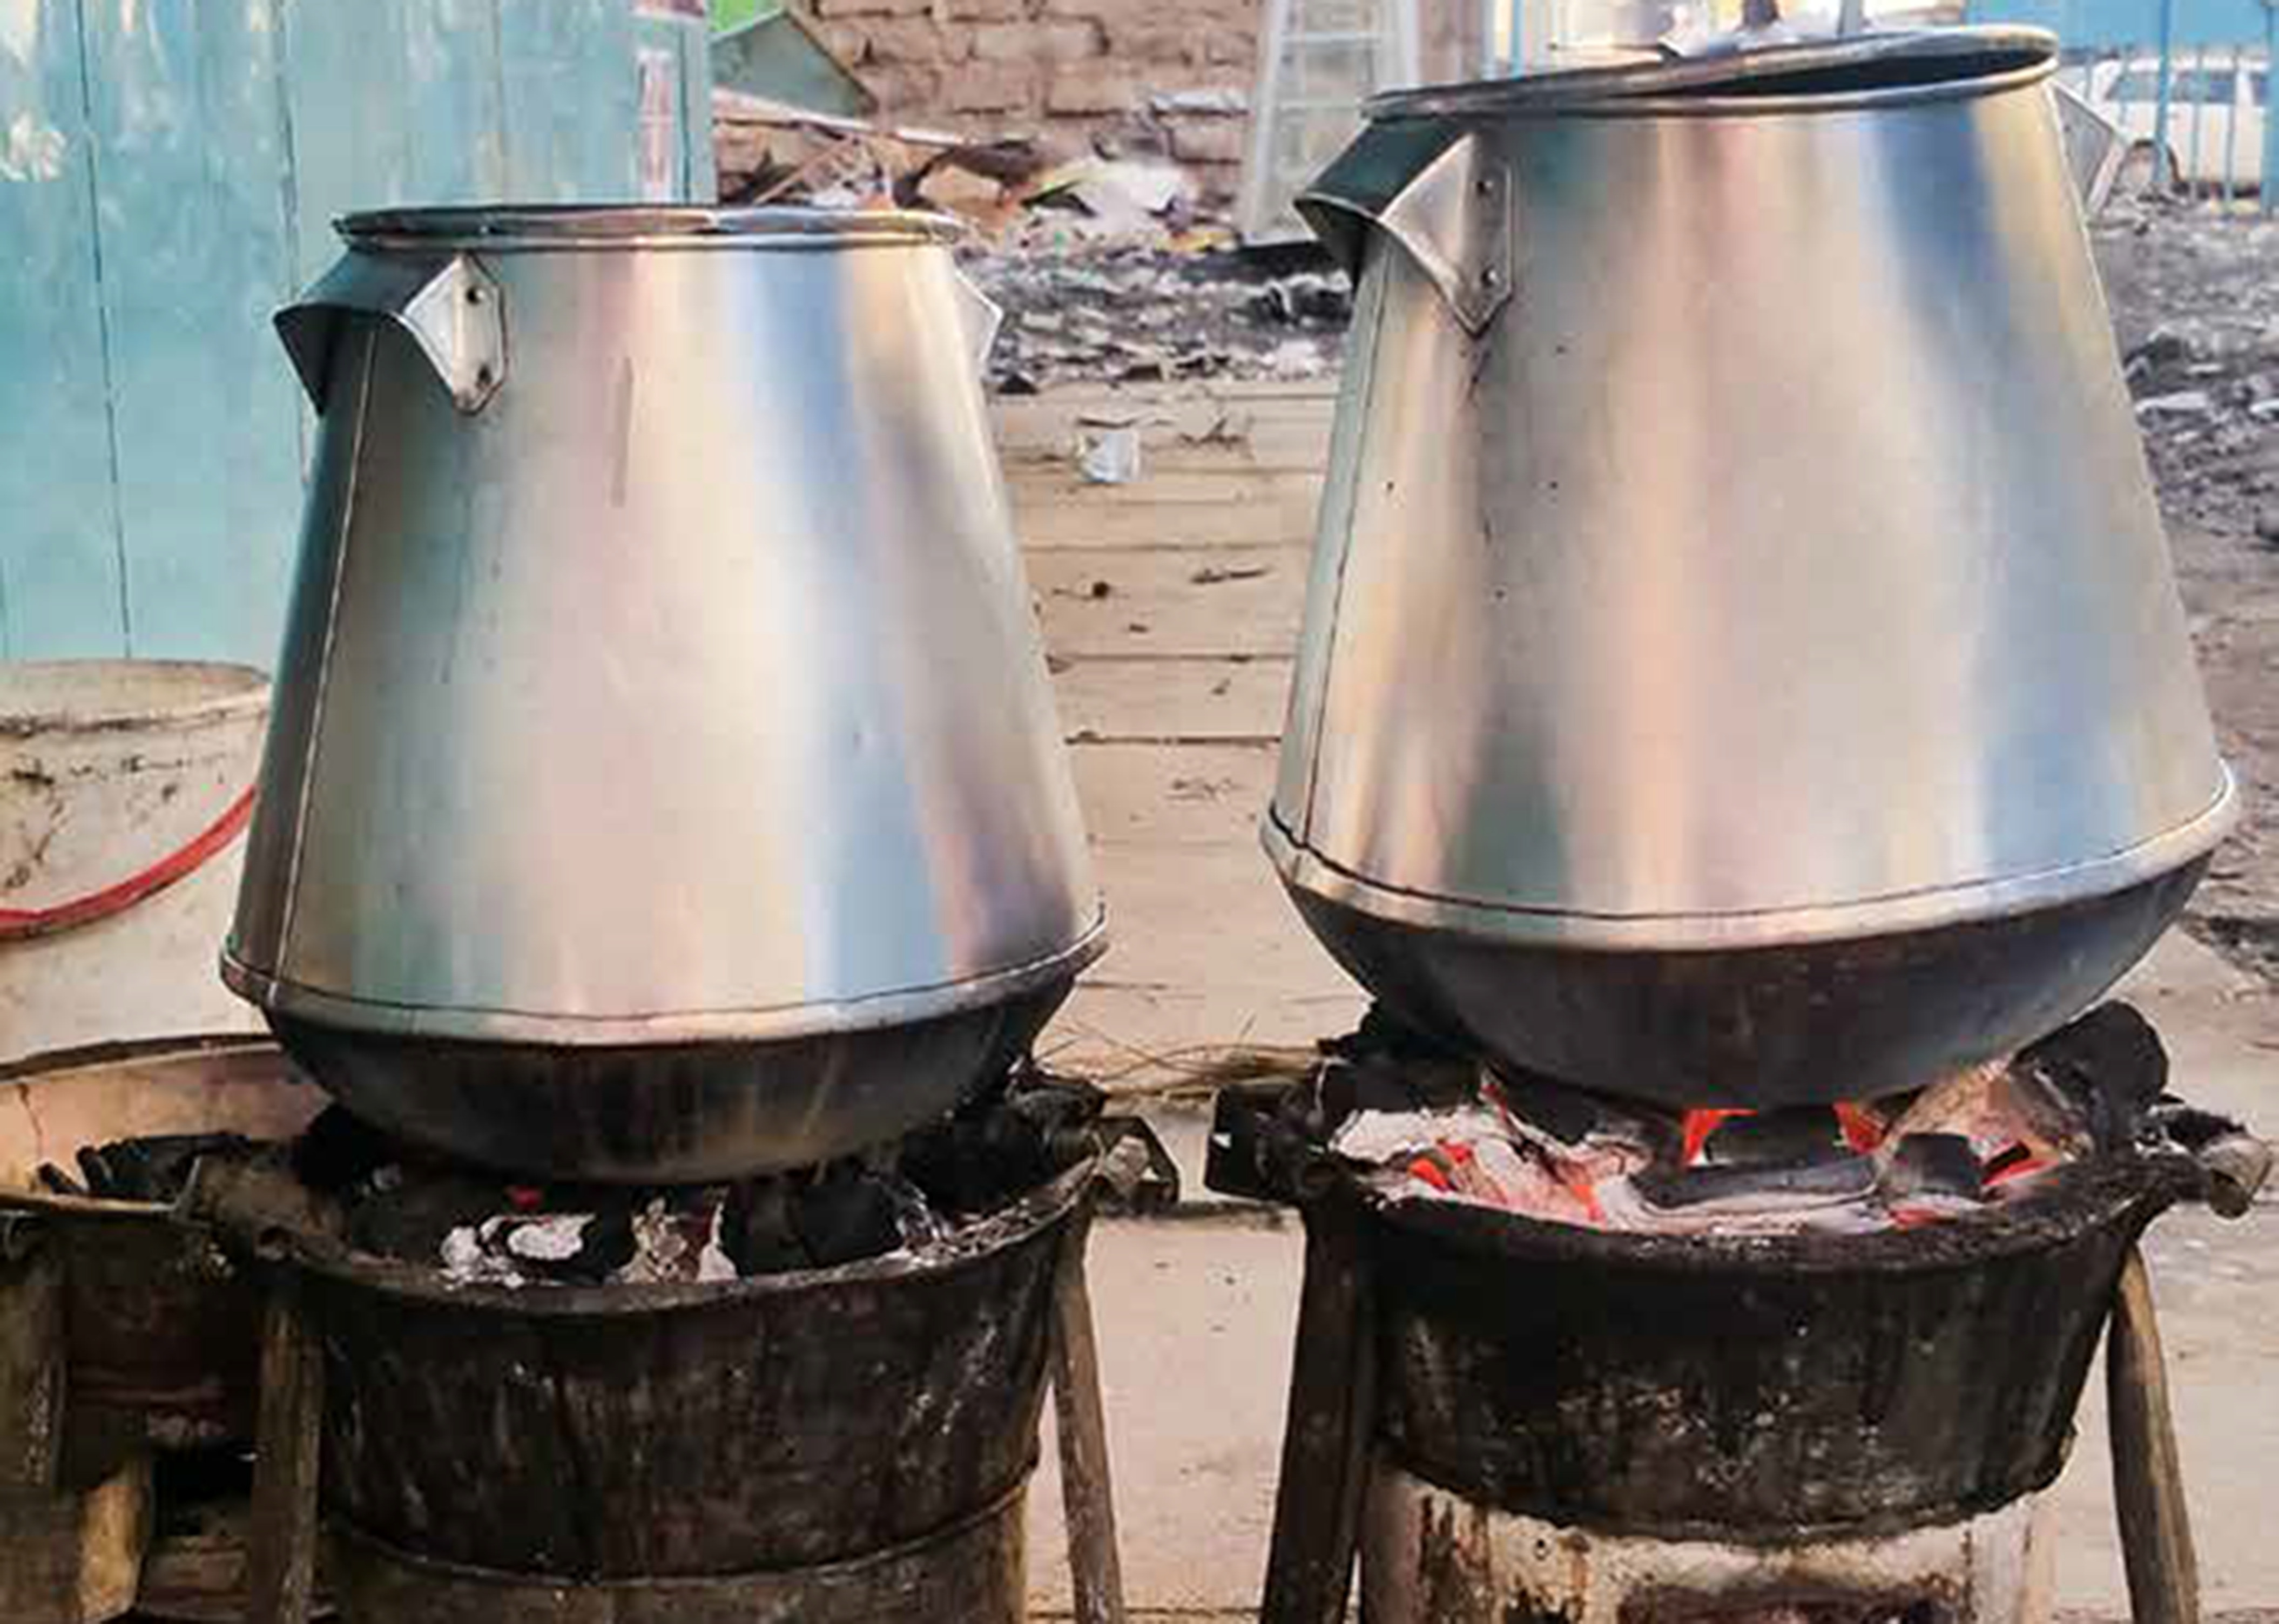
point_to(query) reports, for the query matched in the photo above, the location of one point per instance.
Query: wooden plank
(1126, 1037)
(1080, 1427)
(1284, 521)
(281, 1581)
(1172, 700)
(1152, 602)
(1146, 795)
(2148, 1483)
(1222, 482)
(1184, 915)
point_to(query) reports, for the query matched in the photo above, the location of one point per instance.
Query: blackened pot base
(668, 1114)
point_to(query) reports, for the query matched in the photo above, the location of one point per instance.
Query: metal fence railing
(2196, 117)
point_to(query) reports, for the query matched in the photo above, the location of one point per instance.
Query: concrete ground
(1171, 605)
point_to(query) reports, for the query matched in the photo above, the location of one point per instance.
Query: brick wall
(1136, 75)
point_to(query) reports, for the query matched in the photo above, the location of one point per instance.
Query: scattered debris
(1111, 456)
(1214, 575)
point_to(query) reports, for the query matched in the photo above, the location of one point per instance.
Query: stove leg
(1326, 1440)
(32, 1372)
(282, 1558)
(2148, 1486)
(1088, 1498)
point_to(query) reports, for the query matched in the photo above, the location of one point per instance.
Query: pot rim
(1982, 61)
(1965, 901)
(279, 994)
(603, 227)
(68, 697)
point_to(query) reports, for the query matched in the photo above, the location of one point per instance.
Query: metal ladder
(1318, 61)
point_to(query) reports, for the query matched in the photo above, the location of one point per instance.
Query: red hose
(22, 924)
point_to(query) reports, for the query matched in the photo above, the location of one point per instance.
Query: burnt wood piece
(1720, 1386)
(688, 1430)
(2148, 1483)
(281, 1562)
(1326, 1440)
(969, 1574)
(1087, 1495)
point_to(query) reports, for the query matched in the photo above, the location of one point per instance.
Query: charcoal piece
(844, 1217)
(2112, 1061)
(607, 1246)
(1936, 1164)
(154, 1169)
(975, 1165)
(55, 1181)
(756, 1230)
(339, 1150)
(1839, 1176)
(1345, 1088)
(410, 1220)
(1383, 1034)
(1767, 1139)
(1567, 1114)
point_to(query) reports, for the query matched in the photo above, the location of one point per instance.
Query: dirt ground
(2195, 299)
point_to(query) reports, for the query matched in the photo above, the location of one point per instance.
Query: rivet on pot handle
(450, 307)
(1446, 201)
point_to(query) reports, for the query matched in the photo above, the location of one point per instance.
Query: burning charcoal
(154, 1168)
(1839, 1176)
(1764, 1138)
(1998, 1106)
(1935, 1164)
(844, 1217)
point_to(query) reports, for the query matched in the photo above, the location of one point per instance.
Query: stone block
(992, 87)
(918, 40)
(1110, 85)
(1053, 40)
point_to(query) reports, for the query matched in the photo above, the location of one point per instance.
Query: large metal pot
(1742, 661)
(663, 781)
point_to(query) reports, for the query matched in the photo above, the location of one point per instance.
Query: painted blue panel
(60, 589)
(453, 99)
(572, 100)
(2110, 24)
(349, 101)
(192, 222)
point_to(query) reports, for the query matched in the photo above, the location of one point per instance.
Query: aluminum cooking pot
(1742, 663)
(665, 782)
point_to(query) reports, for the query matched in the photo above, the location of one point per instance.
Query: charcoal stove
(785, 1413)
(1502, 1417)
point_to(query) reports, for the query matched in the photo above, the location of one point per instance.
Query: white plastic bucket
(124, 786)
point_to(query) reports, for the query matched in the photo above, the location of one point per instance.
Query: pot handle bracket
(1447, 202)
(450, 307)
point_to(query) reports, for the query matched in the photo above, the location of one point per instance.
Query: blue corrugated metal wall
(168, 169)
